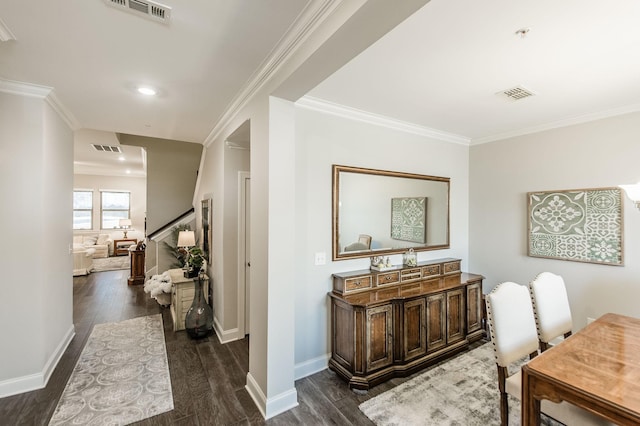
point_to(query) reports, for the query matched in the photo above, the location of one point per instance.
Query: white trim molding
(42, 92)
(5, 32)
(627, 109)
(226, 336)
(349, 113)
(273, 406)
(39, 380)
(312, 16)
(312, 366)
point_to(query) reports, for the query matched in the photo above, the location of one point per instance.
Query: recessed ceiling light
(146, 90)
(121, 158)
(128, 171)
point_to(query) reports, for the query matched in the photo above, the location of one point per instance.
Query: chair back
(365, 239)
(551, 306)
(511, 323)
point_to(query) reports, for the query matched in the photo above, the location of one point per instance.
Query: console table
(121, 247)
(395, 322)
(137, 267)
(182, 293)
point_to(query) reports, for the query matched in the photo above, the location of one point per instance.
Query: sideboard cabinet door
(455, 316)
(379, 348)
(474, 307)
(436, 322)
(414, 329)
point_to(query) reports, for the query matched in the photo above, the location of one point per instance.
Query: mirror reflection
(379, 212)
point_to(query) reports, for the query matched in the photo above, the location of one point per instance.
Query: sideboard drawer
(357, 283)
(388, 278)
(451, 267)
(407, 275)
(430, 271)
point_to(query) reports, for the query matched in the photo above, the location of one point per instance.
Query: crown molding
(310, 18)
(560, 123)
(321, 105)
(42, 92)
(5, 32)
(24, 89)
(62, 111)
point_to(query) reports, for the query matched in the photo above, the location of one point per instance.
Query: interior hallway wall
(323, 140)
(36, 177)
(597, 154)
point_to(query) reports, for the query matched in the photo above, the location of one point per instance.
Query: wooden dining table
(597, 368)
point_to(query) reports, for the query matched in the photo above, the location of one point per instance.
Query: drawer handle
(388, 278)
(357, 282)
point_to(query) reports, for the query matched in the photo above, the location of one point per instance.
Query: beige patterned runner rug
(110, 263)
(462, 391)
(122, 376)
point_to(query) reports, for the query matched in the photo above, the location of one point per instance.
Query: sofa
(82, 261)
(101, 243)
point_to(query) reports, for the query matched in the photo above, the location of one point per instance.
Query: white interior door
(247, 246)
(244, 253)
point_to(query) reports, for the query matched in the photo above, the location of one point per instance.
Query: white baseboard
(225, 336)
(151, 272)
(273, 406)
(312, 366)
(39, 380)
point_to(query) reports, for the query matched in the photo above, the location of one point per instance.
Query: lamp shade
(633, 191)
(186, 239)
(125, 222)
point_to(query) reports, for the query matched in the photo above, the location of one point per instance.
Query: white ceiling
(94, 56)
(440, 69)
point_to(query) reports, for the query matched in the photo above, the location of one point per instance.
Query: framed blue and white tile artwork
(582, 225)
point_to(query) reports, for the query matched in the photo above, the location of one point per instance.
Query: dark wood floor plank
(207, 378)
(318, 404)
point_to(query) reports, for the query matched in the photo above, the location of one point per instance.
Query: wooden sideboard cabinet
(393, 323)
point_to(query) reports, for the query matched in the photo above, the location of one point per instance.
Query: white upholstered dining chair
(514, 337)
(551, 308)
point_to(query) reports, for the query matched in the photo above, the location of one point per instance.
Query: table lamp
(125, 224)
(186, 240)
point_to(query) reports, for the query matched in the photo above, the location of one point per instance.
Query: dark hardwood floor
(207, 378)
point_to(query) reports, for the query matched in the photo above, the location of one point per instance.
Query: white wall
(36, 176)
(219, 181)
(598, 154)
(235, 160)
(321, 141)
(334, 39)
(138, 200)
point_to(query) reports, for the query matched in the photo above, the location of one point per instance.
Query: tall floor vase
(199, 319)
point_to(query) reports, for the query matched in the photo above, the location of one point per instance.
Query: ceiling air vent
(106, 148)
(150, 9)
(515, 93)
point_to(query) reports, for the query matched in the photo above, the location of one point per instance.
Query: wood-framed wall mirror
(380, 212)
(207, 232)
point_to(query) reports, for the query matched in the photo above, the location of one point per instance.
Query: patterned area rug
(110, 263)
(122, 376)
(462, 391)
